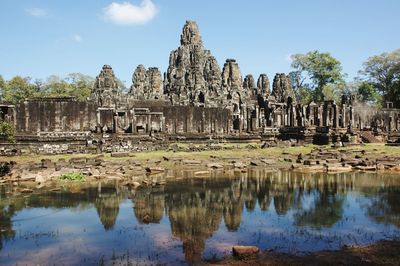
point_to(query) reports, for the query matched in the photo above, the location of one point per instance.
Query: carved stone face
(107, 83)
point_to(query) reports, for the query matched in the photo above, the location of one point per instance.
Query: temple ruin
(195, 100)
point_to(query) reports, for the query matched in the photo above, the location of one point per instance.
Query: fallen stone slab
(201, 173)
(365, 168)
(309, 169)
(239, 165)
(268, 161)
(338, 168)
(245, 252)
(154, 170)
(255, 163)
(215, 165)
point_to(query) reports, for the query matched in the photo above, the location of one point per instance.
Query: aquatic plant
(73, 177)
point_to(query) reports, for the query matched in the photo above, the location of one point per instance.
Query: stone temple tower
(105, 90)
(193, 75)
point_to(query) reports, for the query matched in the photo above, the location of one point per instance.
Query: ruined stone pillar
(311, 116)
(335, 116)
(244, 119)
(351, 118)
(257, 118)
(343, 124)
(27, 128)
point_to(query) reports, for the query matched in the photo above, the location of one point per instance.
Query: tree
(383, 73)
(56, 87)
(368, 93)
(80, 85)
(2, 82)
(2, 85)
(18, 89)
(320, 69)
(75, 84)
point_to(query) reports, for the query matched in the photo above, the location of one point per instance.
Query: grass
(236, 151)
(72, 177)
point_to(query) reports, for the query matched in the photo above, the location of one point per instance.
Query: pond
(190, 218)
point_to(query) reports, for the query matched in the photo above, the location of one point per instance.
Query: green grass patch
(73, 177)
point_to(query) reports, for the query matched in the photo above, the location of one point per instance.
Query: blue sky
(44, 37)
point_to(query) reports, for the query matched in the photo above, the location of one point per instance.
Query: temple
(195, 100)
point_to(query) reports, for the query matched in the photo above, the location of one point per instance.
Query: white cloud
(77, 38)
(37, 12)
(127, 13)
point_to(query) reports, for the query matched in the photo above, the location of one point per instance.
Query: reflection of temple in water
(194, 216)
(196, 207)
(149, 205)
(107, 206)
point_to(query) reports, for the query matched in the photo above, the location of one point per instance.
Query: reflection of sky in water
(125, 233)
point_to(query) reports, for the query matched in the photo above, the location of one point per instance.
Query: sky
(40, 38)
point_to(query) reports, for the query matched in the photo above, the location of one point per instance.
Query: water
(197, 218)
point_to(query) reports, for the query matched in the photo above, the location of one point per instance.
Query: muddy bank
(386, 252)
(155, 168)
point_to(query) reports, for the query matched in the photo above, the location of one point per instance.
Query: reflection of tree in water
(6, 213)
(327, 210)
(385, 208)
(105, 200)
(6, 231)
(149, 206)
(107, 206)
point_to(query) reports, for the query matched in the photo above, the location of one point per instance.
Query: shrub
(7, 131)
(73, 177)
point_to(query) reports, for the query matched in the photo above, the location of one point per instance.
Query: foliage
(80, 85)
(7, 131)
(320, 69)
(305, 95)
(73, 177)
(383, 73)
(17, 89)
(2, 82)
(20, 88)
(368, 93)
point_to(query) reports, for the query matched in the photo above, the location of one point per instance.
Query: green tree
(320, 69)
(80, 85)
(2, 82)
(2, 86)
(383, 73)
(366, 92)
(18, 89)
(56, 87)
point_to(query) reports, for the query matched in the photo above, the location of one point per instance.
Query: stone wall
(55, 115)
(189, 119)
